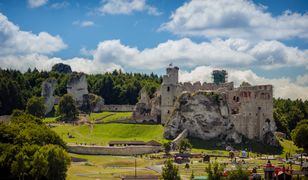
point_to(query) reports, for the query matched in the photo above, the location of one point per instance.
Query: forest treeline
(117, 88)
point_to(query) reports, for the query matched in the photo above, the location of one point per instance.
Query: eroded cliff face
(205, 115)
(48, 88)
(77, 86)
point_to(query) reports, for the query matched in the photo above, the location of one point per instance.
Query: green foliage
(167, 147)
(238, 174)
(30, 150)
(214, 171)
(288, 113)
(184, 146)
(67, 107)
(170, 171)
(36, 107)
(300, 134)
(116, 87)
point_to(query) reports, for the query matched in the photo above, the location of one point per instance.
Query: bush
(170, 171)
(36, 107)
(67, 107)
(238, 174)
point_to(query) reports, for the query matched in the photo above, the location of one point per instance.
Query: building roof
(153, 143)
(127, 142)
(149, 177)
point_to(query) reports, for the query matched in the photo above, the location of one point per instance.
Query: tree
(67, 107)
(184, 146)
(167, 147)
(36, 107)
(20, 166)
(170, 171)
(58, 161)
(214, 172)
(300, 135)
(30, 150)
(238, 174)
(39, 165)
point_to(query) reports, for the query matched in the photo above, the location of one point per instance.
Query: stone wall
(116, 151)
(115, 108)
(175, 142)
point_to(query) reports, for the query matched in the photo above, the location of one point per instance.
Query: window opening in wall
(168, 88)
(168, 111)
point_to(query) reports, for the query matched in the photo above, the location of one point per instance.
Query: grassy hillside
(110, 116)
(103, 133)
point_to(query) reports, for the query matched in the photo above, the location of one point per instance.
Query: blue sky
(264, 41)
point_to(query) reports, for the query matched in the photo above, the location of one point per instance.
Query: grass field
(109, 167)
(102, 117)
(101, 134)
(110, 116)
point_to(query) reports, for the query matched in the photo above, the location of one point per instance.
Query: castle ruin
(245, 110)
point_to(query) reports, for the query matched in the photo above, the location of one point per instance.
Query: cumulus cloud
(37, 3)
(283, 87)
(126, 7)
(184, 52)
(43, 62)
(237, 19)
(302, 80)
(15, 41)
(83, 23)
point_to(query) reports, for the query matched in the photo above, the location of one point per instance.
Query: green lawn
(110, 116)
(103, 133)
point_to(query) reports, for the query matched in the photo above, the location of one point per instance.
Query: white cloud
(236, 19)
(184, 52)
(283, 87)
(15, 41)
(43, 62)
(84, 23)
(126, 7)
(60, 5)
(36, 3)
(302, 80)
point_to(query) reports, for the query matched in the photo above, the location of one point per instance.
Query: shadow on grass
(251, 145)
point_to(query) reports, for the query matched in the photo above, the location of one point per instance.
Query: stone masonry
(246, 110)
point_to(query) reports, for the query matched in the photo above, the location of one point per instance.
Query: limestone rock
(62, 68)
(48, 88)
(77, 86)
(204, 115)
(144, 97)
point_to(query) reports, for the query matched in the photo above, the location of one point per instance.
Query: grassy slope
(104, 116)
(103, 133)
(110, 116)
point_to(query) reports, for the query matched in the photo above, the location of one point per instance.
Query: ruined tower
(169, 92)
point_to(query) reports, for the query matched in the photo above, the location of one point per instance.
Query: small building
(141, 177)
(127, 143)
(182, 158)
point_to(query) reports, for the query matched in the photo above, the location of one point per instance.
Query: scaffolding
(220, 76)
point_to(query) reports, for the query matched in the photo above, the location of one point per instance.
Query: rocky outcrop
(62, 68)
(92, 103)
(77, 86)
(48, 88)
(147, 110)
(204, 114)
